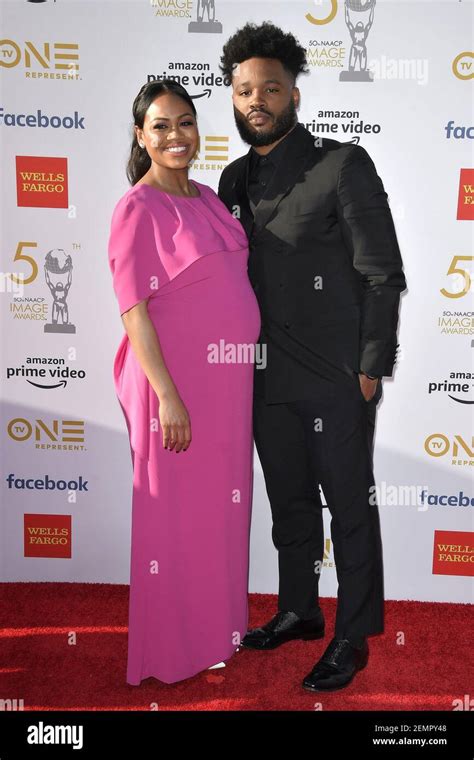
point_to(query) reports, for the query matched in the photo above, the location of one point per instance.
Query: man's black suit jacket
(324, 263)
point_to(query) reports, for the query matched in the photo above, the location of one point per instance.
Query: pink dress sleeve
(134, 260)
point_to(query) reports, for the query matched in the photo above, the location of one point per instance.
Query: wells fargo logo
(42, 181)
(463, 66)
(48, 536)
(461, 453)
(58, 435)
(48, 60)
(466, 194)
(453, 553)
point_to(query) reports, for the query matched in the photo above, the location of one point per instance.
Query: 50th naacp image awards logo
(359, 17)
(458, 321)
(33, 307)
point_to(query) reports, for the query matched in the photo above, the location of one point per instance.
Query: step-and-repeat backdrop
(69, 74)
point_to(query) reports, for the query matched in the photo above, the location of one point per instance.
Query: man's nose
(257, 101)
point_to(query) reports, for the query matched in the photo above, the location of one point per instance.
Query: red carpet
(39, 665)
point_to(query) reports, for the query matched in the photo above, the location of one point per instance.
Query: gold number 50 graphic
(309, 17)
(453, 269)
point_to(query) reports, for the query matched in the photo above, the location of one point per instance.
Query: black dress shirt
(262, 167)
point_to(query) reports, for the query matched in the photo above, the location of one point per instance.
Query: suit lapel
(240, 189)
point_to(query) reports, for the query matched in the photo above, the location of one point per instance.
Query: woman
(179, 265)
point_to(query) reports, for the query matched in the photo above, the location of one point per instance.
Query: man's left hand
(367, 386)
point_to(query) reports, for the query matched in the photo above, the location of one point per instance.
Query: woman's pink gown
(191, 510)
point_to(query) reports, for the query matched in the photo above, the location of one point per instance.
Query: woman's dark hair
(264, 41)
(139, 161)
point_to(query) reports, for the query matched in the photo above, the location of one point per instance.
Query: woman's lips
(177, 150)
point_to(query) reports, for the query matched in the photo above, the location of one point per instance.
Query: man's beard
(282, 124)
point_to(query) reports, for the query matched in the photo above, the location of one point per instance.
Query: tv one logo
(462, 66)
(47, 60)
(58, 435)
(439, 445)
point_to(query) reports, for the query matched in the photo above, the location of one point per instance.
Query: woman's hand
(175, 423)
(173, 415)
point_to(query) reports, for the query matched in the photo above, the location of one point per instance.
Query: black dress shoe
(284, 626)
(337, 667)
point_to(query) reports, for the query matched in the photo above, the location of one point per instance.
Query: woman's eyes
(183, 123)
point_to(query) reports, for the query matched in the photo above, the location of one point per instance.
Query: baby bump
(212, 298)
(208, 323)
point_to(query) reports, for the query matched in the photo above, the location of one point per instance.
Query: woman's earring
(141, 144)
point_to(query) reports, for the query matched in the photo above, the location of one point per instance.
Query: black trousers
(325, 440)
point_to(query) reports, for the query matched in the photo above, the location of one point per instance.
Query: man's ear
(296, 95)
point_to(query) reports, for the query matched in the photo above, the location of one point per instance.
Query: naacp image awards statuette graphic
(205, 8)
(359, 16)
(58, 275)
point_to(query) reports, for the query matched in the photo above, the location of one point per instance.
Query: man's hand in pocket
(367, 386)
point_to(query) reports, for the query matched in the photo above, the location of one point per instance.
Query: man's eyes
(269, 89)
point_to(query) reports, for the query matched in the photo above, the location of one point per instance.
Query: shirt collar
(276, 153)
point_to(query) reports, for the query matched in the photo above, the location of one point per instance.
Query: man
(326, 268)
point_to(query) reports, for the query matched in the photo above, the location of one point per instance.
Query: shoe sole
(337, 688)
(304, 637)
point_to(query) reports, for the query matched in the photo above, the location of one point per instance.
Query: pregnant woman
(179, 266)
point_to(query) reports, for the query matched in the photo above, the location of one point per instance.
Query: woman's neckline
(172, 195)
